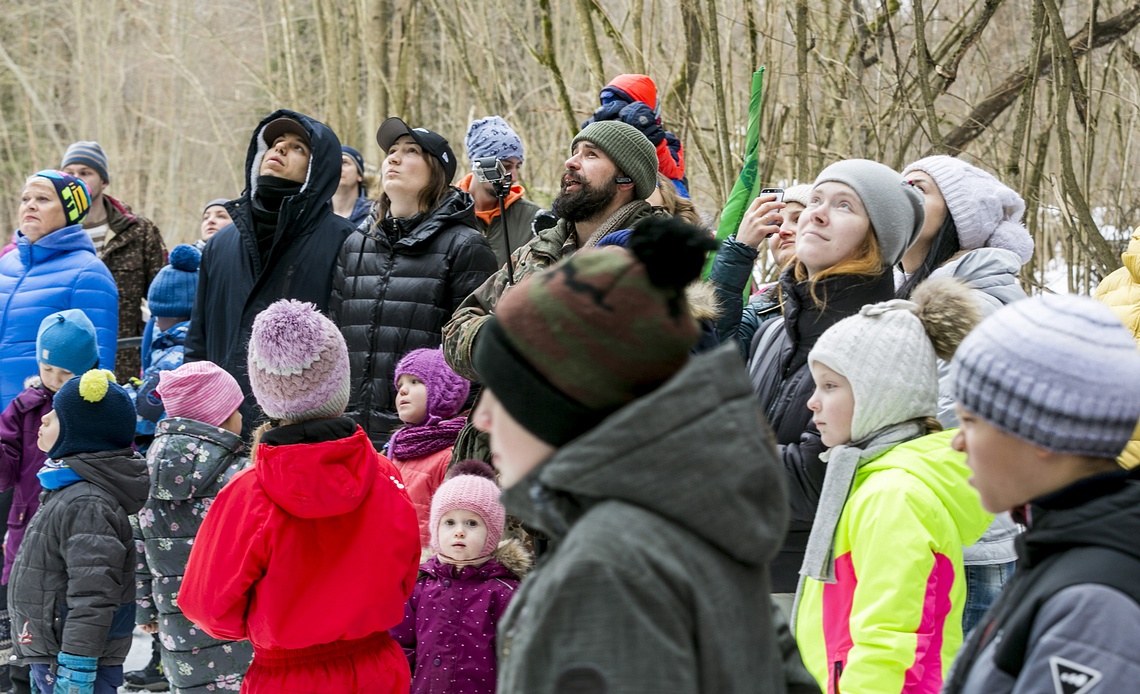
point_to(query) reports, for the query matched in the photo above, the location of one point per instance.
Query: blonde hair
(674, 204)
(867, 261)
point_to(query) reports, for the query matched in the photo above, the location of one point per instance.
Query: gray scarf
(842, 464)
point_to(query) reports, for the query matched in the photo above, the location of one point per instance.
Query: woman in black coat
(399, 277)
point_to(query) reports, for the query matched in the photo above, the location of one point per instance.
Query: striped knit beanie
(298, 363)
(88, 153)
(1058, 371)
(572, 344)
(199, 390)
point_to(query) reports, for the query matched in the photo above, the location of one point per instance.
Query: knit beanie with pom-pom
(572, 344)
(95, 414)
(298, 363)
(986, 212)
(173, 289)
(888, 352)
(446, 390)
(471, 487)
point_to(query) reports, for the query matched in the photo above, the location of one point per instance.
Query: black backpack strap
(1082, 565)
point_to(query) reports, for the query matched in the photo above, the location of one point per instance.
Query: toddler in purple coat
(65, 346)
(448, 632)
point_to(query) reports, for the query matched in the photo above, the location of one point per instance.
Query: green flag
(747, 185)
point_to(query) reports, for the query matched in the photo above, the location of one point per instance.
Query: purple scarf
(425, 439)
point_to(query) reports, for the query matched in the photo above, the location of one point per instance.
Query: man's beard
(588, 202)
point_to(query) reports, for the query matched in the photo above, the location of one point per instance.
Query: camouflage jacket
(134, 255)
(544, 250)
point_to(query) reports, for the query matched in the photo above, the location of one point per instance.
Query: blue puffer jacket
(58, 272)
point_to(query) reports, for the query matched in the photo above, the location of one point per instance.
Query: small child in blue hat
(72, 590)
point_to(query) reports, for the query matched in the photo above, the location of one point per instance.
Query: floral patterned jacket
(189, 463)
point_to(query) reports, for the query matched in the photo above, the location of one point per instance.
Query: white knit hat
(986, 212)
(888, 352)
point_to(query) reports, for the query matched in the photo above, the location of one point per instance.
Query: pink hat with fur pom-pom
(298, 363)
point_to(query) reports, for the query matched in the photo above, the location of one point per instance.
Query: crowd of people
(441, 440)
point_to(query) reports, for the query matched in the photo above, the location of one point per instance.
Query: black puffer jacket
(394, 288)
(72, 588)
(780, 376)
(234, 286)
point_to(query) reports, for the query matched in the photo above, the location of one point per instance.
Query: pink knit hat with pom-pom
(470, 486)
(298, 363)
(446, 390)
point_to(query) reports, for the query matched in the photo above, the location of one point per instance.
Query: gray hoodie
(662, 521)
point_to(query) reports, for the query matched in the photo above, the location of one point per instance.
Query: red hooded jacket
(316, 543)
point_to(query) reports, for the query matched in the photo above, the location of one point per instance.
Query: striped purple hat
(298, 363)
(199, 390)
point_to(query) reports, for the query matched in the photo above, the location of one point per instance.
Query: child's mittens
(644, 119)
(75, 674)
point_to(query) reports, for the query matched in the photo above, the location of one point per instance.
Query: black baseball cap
(432, 143)
(279, 126)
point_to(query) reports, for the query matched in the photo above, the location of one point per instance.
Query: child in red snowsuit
(313, 551)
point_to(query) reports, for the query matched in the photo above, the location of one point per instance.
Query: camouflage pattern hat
(572, 344)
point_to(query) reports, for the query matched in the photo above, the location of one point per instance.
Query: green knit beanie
(572, 344)
(632, 152)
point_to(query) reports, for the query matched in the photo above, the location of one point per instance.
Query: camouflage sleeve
(460, 332)
(154, 253)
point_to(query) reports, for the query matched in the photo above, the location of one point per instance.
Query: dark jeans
(983, 584)
(107, 680)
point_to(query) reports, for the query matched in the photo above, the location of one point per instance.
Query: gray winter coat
(662, 522)
(72, 588)
(992, 274)
(189, 463)
(1083, 637)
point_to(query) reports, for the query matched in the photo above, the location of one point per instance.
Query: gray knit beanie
(986, 212)
(632, 152)
(895, 208)
(1058, 371)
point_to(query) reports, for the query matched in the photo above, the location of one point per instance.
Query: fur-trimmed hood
(703, 303)
(509, 560)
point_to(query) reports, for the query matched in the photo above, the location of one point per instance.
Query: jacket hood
(695, 451)
(318, 474)
(1110, 520)
(65, 240)
(943, 470)
(993, 272)
(122, 473)
(509, 560)
(456, 208)
(303, 210)
(1131, 257)
(190, 459)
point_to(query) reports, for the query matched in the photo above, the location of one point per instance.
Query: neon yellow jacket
(1120, 291)
(893, 620)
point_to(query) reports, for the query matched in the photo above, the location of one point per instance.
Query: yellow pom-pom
(93, 384)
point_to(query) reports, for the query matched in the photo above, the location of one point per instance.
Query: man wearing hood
(282, 244)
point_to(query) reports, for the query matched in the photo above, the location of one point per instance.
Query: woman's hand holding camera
(760, 221)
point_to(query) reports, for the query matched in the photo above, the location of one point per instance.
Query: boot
(151, 678)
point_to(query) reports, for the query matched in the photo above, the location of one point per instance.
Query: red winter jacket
(316, 543)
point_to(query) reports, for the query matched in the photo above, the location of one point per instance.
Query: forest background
(1044, 93)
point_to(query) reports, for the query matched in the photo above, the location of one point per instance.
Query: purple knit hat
(298, 363)
(470, 486)
(446, 390)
